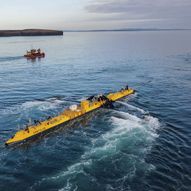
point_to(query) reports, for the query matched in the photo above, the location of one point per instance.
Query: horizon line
(124, 29)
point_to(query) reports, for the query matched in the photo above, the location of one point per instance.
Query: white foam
(148, 124)
(123, 128)
(152, 121)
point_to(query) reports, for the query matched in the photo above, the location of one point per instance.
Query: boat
(75, 111)
(33, 53)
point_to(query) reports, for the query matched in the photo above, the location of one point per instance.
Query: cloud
(164, 10)
(114, 6)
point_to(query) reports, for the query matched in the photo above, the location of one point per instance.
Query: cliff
(30, 32)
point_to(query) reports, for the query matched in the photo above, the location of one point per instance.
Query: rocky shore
(30, 32)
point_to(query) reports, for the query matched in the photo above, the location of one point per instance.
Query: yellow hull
(66, 116)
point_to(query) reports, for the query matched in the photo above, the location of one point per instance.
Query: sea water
(144, 143)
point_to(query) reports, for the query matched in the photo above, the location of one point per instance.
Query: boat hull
(65, 117)
(33, 56)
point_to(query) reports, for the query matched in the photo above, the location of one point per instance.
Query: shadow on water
(33, 60)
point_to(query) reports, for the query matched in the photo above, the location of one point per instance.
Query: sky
(94, 14)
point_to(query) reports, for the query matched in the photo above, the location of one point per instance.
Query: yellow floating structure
(73, 112)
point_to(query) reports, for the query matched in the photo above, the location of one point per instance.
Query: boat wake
(132, 107)
(10, 58)
(123, 149)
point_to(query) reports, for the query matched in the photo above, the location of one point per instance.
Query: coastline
(30, 32)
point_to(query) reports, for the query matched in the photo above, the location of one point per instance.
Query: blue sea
(143, 143)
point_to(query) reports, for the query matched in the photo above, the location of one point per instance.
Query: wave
(39, 105)
(47, 104)
(132, 107)
(129, 140)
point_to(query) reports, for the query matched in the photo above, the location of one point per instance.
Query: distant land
(125, 29)
(30, 32)
(47, 32)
